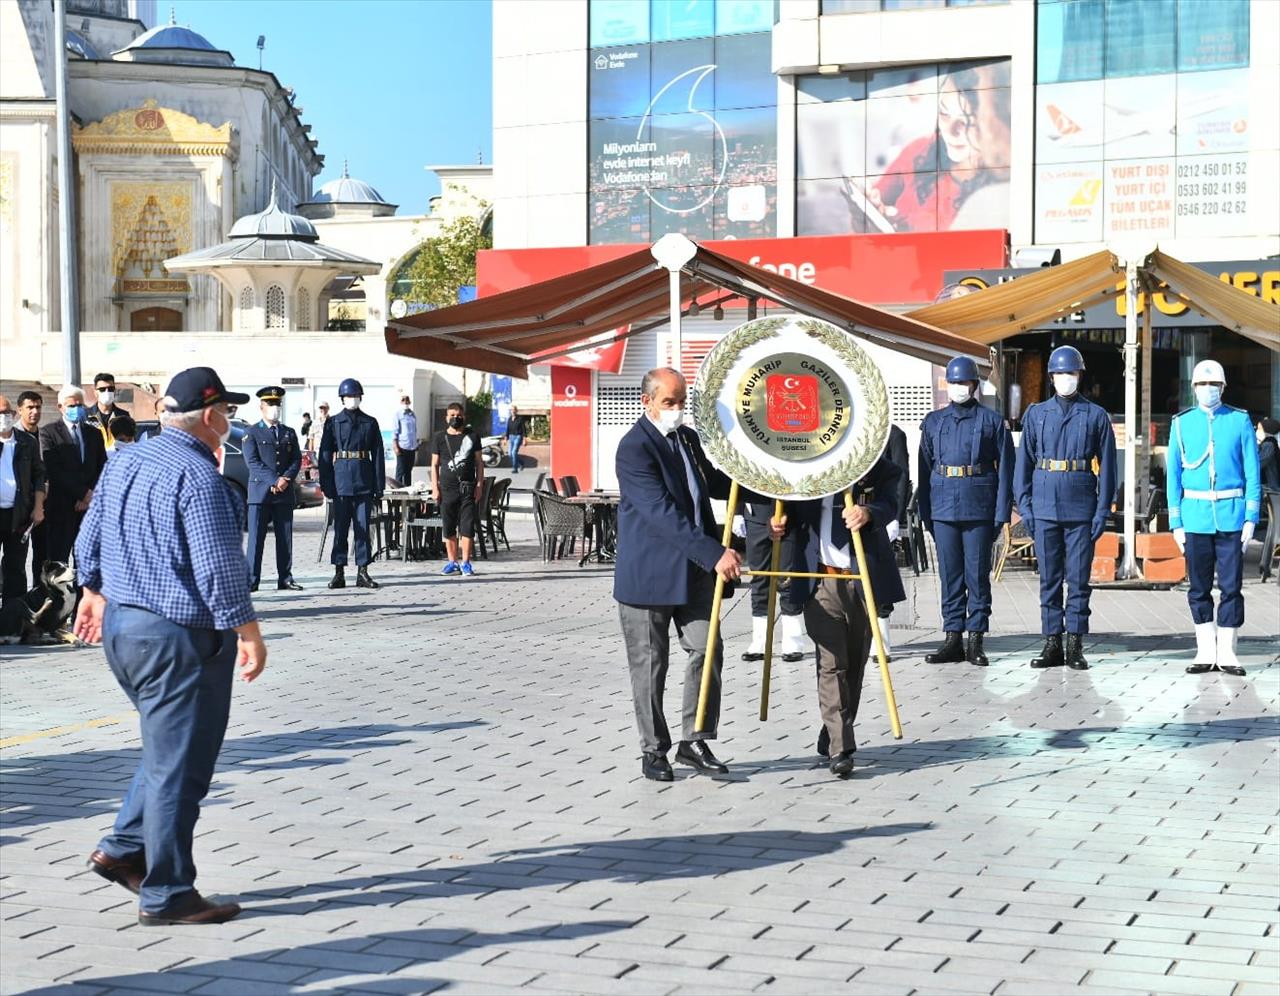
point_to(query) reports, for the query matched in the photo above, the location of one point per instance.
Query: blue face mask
(1208, 395)
(75, 413)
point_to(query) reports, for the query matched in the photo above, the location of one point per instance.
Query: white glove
(1246, 534)
(1180, 537)
(739, 527)
(893, 529)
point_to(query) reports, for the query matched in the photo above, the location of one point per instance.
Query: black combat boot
(339, 577)
(973, 651)
(952, 650)
(1051, 655)
(364, 581)
(1075, 652)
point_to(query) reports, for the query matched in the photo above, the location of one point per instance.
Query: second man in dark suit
(669, 554)
(271, 450)
(74, 456)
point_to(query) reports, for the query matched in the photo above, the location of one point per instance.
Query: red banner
(572, 417)
(606, 355)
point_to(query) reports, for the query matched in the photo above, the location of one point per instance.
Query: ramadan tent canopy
(506, 333)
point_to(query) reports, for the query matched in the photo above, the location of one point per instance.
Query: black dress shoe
(973, 651)
(290, 585)
(128, 872)
(842, 764)
(952, 650)
(824, 742)
(697, 754)
(792, 658)
(656, 768)
(364, 581)
(750, 655)
(1075, 653)
(1051, 654)
(1200, 668)
(191, 909)
(1232, 669)
(339, 578)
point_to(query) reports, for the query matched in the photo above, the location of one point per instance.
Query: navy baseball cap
(197, 388)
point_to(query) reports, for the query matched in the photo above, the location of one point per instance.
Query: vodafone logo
(804, 272)
(570, 399)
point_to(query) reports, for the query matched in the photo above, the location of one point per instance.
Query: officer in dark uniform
(1065, 480)
(966, 495)
(274, 458)
(352, 475)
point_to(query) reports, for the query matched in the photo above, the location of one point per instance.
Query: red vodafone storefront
(892, 271)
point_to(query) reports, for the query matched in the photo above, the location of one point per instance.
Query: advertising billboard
(920, 148)
(682, 130)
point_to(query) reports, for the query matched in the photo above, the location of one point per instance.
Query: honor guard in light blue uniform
(1215, 497)
(1064, 482)
(352, 475)
(966, 495)
(271, 450)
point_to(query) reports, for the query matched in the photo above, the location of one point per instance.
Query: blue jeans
(179, 679)
(513, 447)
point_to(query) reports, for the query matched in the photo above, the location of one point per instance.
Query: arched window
(302, 319)
(275, 307)
(246, 308)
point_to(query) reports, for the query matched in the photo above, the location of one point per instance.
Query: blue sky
(390, 85)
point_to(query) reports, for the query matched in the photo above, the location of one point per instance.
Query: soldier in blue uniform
(352, 475)
(966, 495)
(1065, 480)
(271, 450)
(1215, 498)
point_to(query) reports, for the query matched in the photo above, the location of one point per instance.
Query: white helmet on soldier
(1208, 372)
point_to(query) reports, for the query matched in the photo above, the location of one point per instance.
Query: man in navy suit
(274, 458)
(669, 553)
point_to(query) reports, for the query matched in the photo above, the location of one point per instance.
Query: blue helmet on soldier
(1065, 359)
(961, 370)
(350, 388)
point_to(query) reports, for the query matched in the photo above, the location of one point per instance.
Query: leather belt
(1214, 495)
(972, 470)
(1061, 465)
(352, 455)
(828, 569)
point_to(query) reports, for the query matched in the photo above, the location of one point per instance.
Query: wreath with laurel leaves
(710, 381)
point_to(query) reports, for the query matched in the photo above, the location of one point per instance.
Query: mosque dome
(174, 43)
(347, 196)
(78, 44)
(274, 224)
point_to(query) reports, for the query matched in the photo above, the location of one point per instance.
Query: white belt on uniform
(1214, 495)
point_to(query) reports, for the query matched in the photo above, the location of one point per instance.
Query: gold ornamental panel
(154, 130)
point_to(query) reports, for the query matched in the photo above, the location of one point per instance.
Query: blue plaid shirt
(163, 534)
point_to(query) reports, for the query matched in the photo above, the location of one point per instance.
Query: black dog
(42, 616)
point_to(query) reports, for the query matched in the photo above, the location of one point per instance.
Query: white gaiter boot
(884, 635)
(795, 641)
(1227, 659)
(759, 631)
(1206, 644)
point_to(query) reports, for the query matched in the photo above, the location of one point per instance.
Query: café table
(407, 500)
(604, 506)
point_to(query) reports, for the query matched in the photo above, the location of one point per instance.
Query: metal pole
(1130, 566)
(677, 343)
(775, 561)
(1145, 419)
(69, 298)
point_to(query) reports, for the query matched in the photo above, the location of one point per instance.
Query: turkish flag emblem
(792, 403)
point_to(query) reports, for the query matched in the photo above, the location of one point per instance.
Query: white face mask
(1066, 384)
(272, 414)
(959, 393)
(106, 397)
(670, 419)
(404, 407)
(7, 423)
(225, 434)
(350, 404)
(1208, 395)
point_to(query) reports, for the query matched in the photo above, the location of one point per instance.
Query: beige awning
(1227, 305)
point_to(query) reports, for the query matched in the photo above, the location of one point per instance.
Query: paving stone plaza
(436, 787)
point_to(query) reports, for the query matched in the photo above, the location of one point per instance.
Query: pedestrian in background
(1065, 480)
(353, 475)
(73, 455)
(896, 451)
(104, 414)
(167, 594)
(317, 427)
(124, 432)
(517, 429)
(30, 408)
(1215, 500)
(457, 479)
(304, 430)
(22, 491)
(405, 442)
(965, 469)
(1269, 453)
(274, 458)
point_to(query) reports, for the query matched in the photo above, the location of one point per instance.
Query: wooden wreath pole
(713, 630)
(865, 575)
(774, 573)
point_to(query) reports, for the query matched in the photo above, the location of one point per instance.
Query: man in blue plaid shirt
(167, 592)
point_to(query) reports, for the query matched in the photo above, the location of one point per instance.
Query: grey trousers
(646, 633)
(837, 621)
